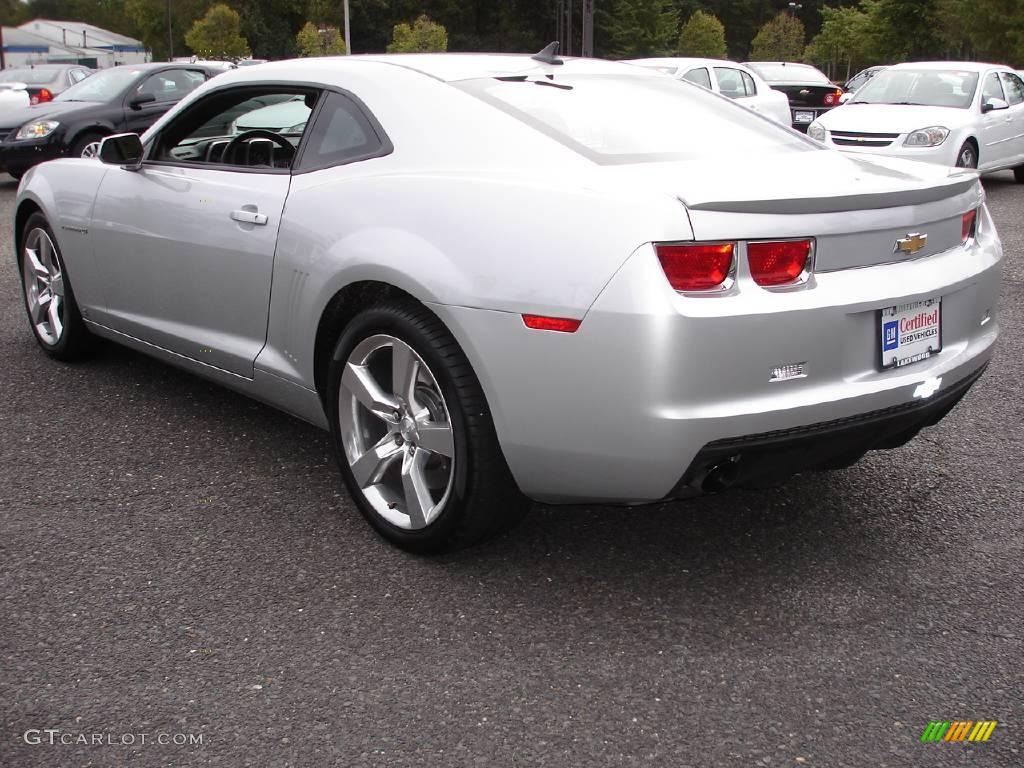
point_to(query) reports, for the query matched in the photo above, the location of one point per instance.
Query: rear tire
(967, 157)
(49, 300)
(423, 464)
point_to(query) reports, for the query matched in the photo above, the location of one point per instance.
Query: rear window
(29, 76)
(632, 119)
(789, 73)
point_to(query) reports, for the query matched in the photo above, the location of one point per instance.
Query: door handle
(249, 217)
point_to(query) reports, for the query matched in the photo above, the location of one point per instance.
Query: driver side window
(249, 127)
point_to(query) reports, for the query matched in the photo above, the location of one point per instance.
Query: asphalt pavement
(182, 565)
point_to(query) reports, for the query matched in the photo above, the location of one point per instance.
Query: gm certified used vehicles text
(609, 309)
(128, 98)
(952, 113)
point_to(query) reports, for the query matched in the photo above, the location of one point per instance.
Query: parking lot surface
(183, 564)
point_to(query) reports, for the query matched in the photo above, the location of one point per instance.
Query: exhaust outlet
(721, 476)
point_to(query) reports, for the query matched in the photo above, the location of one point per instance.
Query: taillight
(545, 323)
(832, 99)
(778, 263)
(969, 226)
(697, 267)
(45, 95)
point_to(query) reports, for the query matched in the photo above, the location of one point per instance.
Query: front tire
(967, 157)
(414, 434)
(49, 300)
(86, 145)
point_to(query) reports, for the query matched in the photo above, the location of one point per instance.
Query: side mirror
(143, 98)
(124, 149)
(991, 104)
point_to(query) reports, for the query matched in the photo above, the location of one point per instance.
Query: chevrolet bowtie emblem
(912, 243)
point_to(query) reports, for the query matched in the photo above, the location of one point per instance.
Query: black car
(44, 82)
(126, 99)
(809, 91)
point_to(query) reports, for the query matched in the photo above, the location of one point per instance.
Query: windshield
(927, 87)
(29, 76)
(794, 73)
(103, 86)
(633, 118)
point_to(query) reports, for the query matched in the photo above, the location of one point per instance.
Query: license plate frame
(909, 333)
(802, 116)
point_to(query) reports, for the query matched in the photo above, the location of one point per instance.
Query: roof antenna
(549, 55)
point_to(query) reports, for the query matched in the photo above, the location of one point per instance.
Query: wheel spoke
(38, 307)
(418, 502)
(38, 268)
(56, 324)
(57, 285)
(358, 380)
(369, 468)
(46, 254)
(436, 438)
(404, 371)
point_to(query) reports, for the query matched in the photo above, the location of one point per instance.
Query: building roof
(80, 35)
(18, 40)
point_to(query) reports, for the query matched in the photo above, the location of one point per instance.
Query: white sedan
(13, 96)
(728, 78)
(962, 114)
(497, 278)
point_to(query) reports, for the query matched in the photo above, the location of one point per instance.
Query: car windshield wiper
(525, 79)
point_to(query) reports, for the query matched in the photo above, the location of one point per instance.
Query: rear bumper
(772, 457)
(619, 410)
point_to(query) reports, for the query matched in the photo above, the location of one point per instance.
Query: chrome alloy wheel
(44, 286)
(396, 432)
(92, 149)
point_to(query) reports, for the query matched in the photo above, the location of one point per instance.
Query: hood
(48, 110)
(811, 181)
(892, 118)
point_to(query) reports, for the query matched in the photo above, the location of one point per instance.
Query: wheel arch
(74, 134)
(25, 209)
(342, 307)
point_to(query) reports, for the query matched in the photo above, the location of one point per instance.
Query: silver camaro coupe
(499, 278)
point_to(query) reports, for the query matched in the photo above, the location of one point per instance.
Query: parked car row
(665, 298)
(952, 113)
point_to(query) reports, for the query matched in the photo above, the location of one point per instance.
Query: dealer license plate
(910, 332)
(803, 117)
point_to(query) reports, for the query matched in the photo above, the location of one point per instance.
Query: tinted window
(171, 84)
(734, 83)
(991, 89)
(929, 87)
(1014, 88)
(103, 86)
(251, 127)
(608, 117)
(341, 134)
(699, 76)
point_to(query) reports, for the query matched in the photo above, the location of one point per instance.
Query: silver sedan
(501, 278)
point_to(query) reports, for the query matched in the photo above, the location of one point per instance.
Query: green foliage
(218, 35)
(702, 35)
(319, 42)
(146, 20)
(781, 39)
(995, 28)
(642, 28)
(422, 36)
(845, 44)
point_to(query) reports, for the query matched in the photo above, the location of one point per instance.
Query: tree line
(840, 36)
